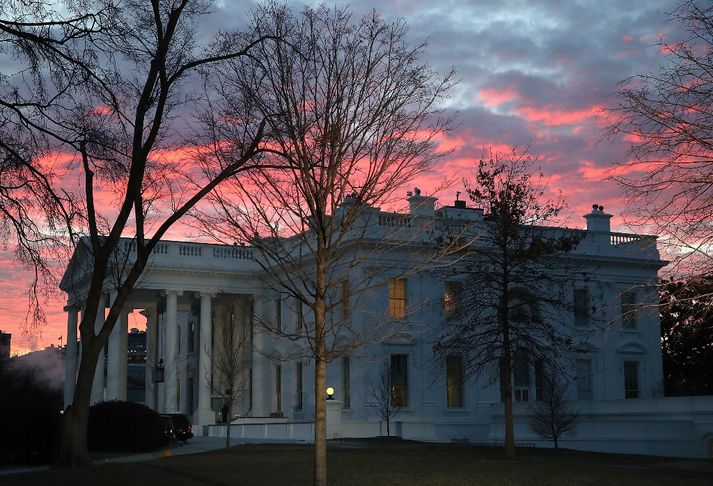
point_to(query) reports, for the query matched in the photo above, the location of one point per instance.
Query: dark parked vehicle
(182, 428)
(169, 434)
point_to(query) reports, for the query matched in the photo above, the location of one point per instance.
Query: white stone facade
(188, 290)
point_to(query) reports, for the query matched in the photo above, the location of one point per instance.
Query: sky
(536, 74)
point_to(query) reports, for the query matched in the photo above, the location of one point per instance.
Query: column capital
(207, 293)
(167, 292)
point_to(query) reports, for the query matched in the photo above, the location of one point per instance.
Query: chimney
(598, 220)
(421, 205)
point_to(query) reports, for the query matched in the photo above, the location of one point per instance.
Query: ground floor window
(521, 375)
(278, 388)
(298, 386)
(584, 379)
(454, 381)
(631, 379)
(346, 381)
(399, 380)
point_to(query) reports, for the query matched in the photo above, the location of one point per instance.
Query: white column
(70, 356)
(151, 361)
(118, 356)
(261, 365)
(98, 383)
(169, 354)
(204, 415)
(183, 367)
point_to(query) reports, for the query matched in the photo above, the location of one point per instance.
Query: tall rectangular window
(278, 388)
(631, 379)
(300, 316)
(581, 307)
(521, 375)
(397, 298)
(584, 379)
(399, 380)
(454, 381)
(346, 304)
(346, 382)
(299, 391)
(541, 392)
(191, 336)
(628, 310)
(278, 314)
(452, 299)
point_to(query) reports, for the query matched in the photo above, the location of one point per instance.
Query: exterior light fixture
(159, 371)
(330, 393)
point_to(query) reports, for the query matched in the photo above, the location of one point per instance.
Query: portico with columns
(181, 322)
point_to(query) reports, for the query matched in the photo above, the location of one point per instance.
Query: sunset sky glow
(537, 74)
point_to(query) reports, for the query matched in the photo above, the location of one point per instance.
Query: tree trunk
(506, 376)
(509, 429)
(388, 432)
(320, 426)
(227, 418)
(74, 451)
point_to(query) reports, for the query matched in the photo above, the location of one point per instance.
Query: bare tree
(514, 281)
(230, 359)
(554, 416)
(351, 115)
(382, 395)
(87, 117)
(667, 116)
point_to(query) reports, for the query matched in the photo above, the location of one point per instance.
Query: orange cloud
(553, 117)
(495, 97)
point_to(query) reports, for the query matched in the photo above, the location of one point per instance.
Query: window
(540, 381)
(399, 380)
(628, 310)
(397, 298)
(300, 316)
(190, 393)
(278, 314)
(454, 381)
(298, 386)
(452, 299)
(631, 379)
(584, 379)
(346, 382)
(346, 307)
(191, 336)
(521, 375)
(581, 307)
(278, 388)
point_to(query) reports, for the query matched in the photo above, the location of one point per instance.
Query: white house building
(190, 291)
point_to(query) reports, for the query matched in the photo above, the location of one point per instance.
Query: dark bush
(31, 420)
(124, 427)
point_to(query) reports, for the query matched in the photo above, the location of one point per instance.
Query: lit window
(584, 379)
(628, 310)
(631, 379)
(452, 299)
(581, 307)
(399, 380)
(454, 381)
(397, 298)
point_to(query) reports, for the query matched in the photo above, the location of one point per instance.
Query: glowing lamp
(330, 393)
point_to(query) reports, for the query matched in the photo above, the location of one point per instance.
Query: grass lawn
(374, 462)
